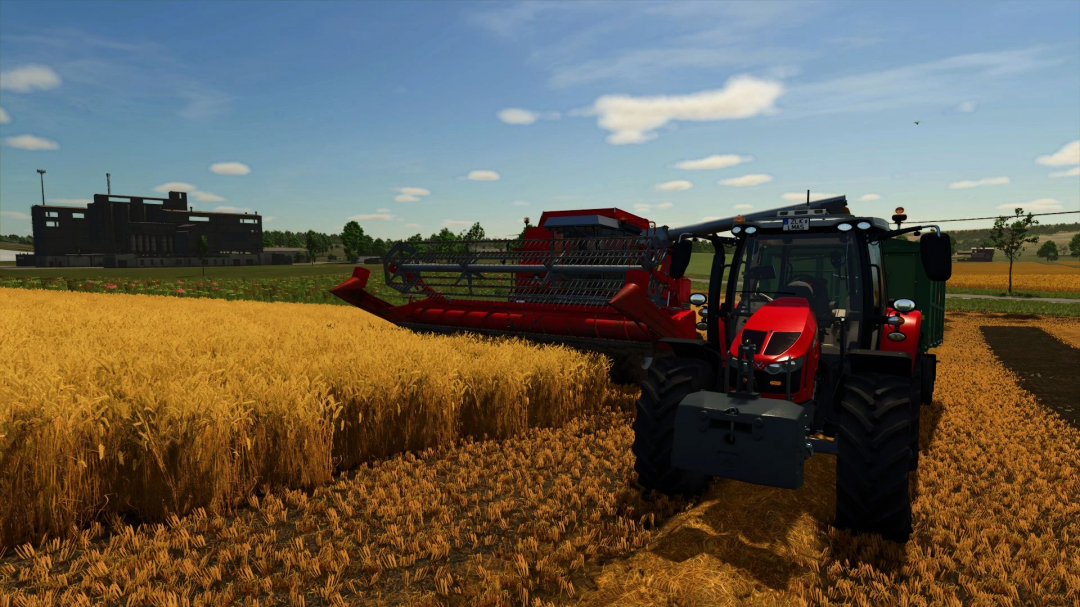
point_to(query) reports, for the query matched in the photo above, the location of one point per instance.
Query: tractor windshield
(824, 269)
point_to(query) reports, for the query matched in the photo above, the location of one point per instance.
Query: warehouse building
(136, 231)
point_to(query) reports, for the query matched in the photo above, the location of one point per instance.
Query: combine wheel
(874, 443)
(667, 382)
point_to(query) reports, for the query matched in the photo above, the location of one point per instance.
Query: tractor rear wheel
(667, 382)
(874, 455)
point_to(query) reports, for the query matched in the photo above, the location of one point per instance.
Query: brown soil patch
(1046, 367)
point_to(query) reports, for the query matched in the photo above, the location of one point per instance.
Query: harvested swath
(1051, 375)
(148, 406)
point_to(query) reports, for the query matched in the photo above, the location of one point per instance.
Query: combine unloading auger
(599, 279)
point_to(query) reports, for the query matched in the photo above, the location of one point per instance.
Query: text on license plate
(796, 223)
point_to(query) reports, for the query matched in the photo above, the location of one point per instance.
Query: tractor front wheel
(667, 382)
(874, 440)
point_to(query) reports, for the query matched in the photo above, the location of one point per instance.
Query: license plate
(796, 223)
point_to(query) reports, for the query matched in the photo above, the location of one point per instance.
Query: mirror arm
(891, 233)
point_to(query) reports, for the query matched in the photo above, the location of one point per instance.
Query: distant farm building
(976, 254)
(137, 231)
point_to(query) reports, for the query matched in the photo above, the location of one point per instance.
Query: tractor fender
(878, 361)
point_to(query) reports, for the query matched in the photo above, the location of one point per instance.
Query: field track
(550, 517)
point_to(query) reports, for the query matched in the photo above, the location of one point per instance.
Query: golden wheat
(1061, 283)
(151, 406)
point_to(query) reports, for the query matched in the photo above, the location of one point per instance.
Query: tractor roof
(818, 223)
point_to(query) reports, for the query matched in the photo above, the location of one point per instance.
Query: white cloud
(966, 107)
(674, 186)
(664, 205)
(482, 175)
(742, 206)
(30, 142)
(371, 217)
(552, 115)
(747, 180)
(412, 225)
(1042, 204)
(4, 116)
(383, 211)
(231, 209)
(79, 201)
(174, 186)
(28, 78)
(269, 218)
(633, 119)
(1073, 172)
(1068, 154)
(452, 223)
(963, 185)
(869, 197)
(405, 198)
(520, 203)
(15, 214)
(801, 196)
(230, 168)
(410, 191)
(515, 115)
(716, 161)
(642, 208)
(206, 196)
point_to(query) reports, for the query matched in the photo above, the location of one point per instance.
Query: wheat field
(552, 517)
(1027, 275)
(149, 406)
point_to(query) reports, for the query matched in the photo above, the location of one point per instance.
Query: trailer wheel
(874, 455)
(668, 381)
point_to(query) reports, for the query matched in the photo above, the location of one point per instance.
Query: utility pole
(108, 183)
(41, 172)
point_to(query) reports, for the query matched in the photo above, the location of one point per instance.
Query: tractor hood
(782, 329)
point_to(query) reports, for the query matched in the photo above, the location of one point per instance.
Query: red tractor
(816, 337)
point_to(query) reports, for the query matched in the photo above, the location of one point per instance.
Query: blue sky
(312, 113)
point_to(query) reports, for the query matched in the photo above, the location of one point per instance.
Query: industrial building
(137, 231)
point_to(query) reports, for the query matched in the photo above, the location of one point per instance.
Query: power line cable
(995, 217)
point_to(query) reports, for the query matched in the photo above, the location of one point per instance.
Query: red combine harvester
(597, 279)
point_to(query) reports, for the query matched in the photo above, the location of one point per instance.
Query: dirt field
(551, 517)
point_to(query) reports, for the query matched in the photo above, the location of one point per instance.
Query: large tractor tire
(668, 381)
(874, 455)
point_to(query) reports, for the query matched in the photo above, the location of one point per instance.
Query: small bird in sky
(916, 122)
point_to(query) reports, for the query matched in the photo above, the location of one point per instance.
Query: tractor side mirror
(936, 252)
(680, 257)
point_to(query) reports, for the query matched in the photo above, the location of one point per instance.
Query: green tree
(316, 243)
(202, 249)
(1048, 251)
(444, 241)
(1074, 246)
(1010, 238)
(352, 240)
(476, 232)
(268, 239)
(292, 241)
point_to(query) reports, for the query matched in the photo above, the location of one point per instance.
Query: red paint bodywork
(911, 328)
(785, 314)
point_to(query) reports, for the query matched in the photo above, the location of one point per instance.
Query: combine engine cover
(593, 276)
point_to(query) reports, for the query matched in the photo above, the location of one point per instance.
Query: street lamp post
(42, 173)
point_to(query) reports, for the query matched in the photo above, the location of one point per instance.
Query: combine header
(597, 279)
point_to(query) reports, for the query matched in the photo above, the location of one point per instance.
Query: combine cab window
(823, 269)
